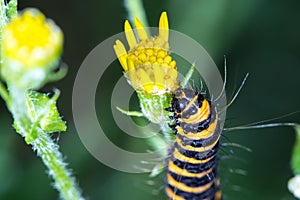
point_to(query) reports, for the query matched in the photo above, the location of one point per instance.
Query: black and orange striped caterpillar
(192, 167)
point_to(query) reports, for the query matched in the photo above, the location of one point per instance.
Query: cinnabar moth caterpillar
(192, 167)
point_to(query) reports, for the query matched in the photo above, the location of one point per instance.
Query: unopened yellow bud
(30, 49)
(31, 39)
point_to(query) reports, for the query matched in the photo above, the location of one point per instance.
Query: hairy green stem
(3, 18)
(136, 9)
(3, 93)
(44, 146)
(52, 158)
(296, 152)
(294, 182)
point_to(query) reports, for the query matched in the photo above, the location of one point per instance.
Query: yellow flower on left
(31, 46)
(32, 40)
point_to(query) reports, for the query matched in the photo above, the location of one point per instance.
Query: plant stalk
(44, 147)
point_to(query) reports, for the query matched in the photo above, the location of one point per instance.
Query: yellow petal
(121, 48)
(173, 74)
(164, 26)
(144, 77)
(121, 54)
(145, 81)
(130, 64)
(158, 75)
(141, 32)
(129, 34)
(131, 73)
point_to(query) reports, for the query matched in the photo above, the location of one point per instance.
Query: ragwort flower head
(31, 39)
(31, 46)
(148, 66)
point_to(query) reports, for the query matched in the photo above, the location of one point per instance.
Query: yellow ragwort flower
(148, 65)
(31, 40)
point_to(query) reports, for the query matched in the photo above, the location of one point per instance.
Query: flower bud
(30, 49)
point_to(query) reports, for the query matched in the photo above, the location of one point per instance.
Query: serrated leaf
(17, 127)
(43, 111)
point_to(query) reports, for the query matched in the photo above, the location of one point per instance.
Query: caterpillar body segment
(192, 167)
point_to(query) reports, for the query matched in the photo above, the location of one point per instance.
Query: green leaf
(43, 112)
(11, 8)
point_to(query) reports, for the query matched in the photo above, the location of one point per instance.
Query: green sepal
(154, 106)
(130, 113)
(59, 74)
(43, 112)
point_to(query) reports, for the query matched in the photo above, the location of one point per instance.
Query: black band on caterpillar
(192, 166)
(207, 194)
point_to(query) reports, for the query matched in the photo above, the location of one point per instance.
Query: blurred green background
(259, 37)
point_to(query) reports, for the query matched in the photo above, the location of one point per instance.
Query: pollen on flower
(148, 65)
(31, 39)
